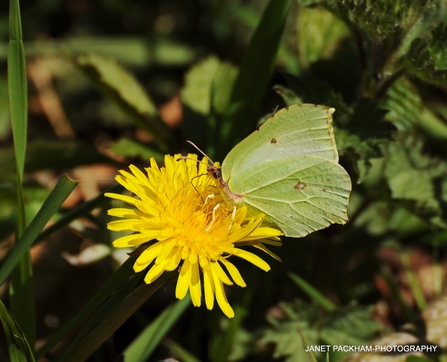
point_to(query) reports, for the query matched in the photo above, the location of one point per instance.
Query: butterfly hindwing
(297, 194)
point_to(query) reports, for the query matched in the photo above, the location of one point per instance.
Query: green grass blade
(63, 188)
(415, 285)
(117, 316)
(182, 354)
(108, 308)
(226, 343)
(18, 98)
(256, 69)
(79, 211)
(21, 284)
(18, 347)
(142, 347)
(314, 294)
(117, 280)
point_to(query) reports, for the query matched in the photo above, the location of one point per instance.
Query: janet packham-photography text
(395, 348)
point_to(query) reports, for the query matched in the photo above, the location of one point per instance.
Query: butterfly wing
(297, 194)
(299, 130)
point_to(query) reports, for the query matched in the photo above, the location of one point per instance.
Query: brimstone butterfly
(289, 171)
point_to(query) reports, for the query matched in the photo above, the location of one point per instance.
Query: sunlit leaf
(123, 88)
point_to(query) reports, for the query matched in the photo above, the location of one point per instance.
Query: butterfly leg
(233, 215)
(214, 217)
(210, 196)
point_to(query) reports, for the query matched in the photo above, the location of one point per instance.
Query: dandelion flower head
(179, 210)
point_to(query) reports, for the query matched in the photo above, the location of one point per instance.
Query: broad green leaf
(222, 86)
(130, 148)
(197, 91)
(319, 35)
(206, 95)
(208, 86)
(61, 191)
(123, 89)
(18, 347)
(143, 346)
(255, 72)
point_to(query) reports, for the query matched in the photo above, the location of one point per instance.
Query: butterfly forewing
(299, 130)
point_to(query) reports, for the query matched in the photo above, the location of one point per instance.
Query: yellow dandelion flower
(178, 208)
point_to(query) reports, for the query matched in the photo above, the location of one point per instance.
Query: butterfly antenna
(198, 149)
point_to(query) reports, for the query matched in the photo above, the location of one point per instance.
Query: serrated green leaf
(357, 321)
(302, 325)
(359, 139)
(403, 104)
(421, 64)
(437, 48)
(124, 89)
(382, 19)
(417, 179)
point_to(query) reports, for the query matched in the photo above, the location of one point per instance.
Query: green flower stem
(122, 312)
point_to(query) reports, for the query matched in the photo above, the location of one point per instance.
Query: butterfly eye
(215, 172)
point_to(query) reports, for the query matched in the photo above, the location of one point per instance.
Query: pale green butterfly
(289, 171)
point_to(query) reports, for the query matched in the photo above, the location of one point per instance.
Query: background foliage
(114, 82)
